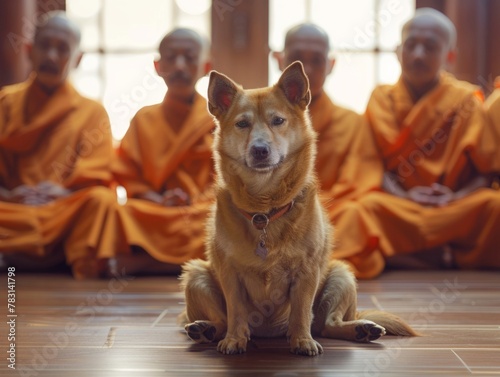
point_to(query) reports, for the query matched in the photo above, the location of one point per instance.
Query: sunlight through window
(363, 34)
(120, 40)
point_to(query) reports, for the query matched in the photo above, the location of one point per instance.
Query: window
(363, 35)
(120, 40)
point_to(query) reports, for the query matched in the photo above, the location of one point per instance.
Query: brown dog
(268, 271)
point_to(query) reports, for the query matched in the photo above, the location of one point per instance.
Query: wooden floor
(127, 327)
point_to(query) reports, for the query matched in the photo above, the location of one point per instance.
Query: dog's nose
(260, 151)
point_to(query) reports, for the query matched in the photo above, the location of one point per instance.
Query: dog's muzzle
(260, 151)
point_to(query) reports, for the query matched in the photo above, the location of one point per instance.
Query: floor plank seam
(461, 360)
(160, 317)
(78, 329)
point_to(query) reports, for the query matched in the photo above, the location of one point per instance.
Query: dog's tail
(393, 324)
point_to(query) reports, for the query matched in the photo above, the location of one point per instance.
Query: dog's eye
(278, 121)
(243, 124)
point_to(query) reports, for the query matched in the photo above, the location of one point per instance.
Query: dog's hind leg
(205, 315)
(335, 309)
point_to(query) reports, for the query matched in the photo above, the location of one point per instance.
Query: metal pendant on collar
(260, 221)
(261, 249)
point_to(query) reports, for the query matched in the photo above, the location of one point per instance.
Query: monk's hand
(50, 191)
(152, 196)
(443, 195)
(26, 194)
(423, 195)
(176, 197)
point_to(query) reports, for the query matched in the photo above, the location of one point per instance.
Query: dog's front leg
(302, 293)
(238, 331)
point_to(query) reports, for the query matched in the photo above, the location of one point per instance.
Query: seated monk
(165, 163)
(338, 160)
(432, 141)
(55, 153)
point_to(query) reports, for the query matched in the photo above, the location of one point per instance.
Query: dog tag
(261, 250)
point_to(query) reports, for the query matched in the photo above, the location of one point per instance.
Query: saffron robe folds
(63, 138)
(154, 156)
(492, 107)
(346, 167)
(443, 138)
(342, 134)
(336, 128)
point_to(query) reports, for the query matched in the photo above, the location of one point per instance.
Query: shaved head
(428, 47)
(185, 33)
(434, 18)
(59, 20)
(307, 30)
(184, 59)
(309, 44)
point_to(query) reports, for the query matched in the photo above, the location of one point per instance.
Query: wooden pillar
(15, 30)
(436, 4)
(18, 20)
(240, 34)
(44, 6)
(470, 19)
(493, 45)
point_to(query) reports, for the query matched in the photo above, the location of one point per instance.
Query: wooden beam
(436, 4)
(469, 17)
(16, 29)
(18, 19)
(478, 59)
(493, 50)
(240, 34)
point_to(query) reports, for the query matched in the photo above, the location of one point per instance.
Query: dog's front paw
(230, 346)
(201, 331)
(369, 331)
(305, 346)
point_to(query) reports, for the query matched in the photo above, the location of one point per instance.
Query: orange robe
(492, 106)
(153, 156)
(64, 138)
(342, 159)
(336, 128)
(443, 139)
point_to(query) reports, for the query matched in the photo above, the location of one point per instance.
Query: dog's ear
(221, 93)
(295, 84)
